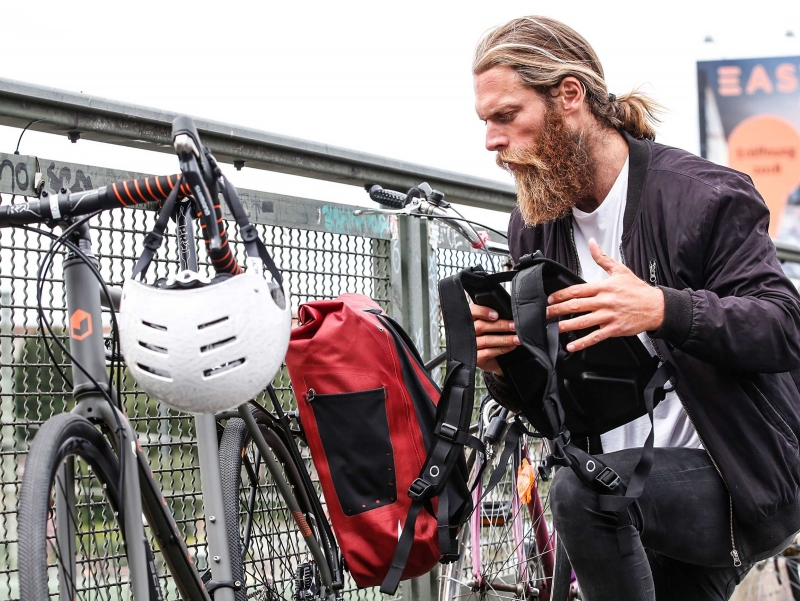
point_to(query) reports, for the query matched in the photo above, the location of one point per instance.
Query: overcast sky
(385, 78)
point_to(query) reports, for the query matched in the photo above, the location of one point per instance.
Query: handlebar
(126, 193)
(421, 201)
(200, 179)
(390, 198)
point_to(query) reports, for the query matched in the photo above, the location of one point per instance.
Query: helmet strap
(153, 240)
(253, 245)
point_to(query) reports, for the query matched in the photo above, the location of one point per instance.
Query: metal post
(219, 559)
(410, 271)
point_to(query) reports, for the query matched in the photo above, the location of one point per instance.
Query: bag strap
(592, 471)
(253, 245)
(154, 238)
(453, 414)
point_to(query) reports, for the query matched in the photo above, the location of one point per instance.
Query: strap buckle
(153, 240)
(419, 489)
(248, 233)
(447, 432)
(449, 558)
(608, 478)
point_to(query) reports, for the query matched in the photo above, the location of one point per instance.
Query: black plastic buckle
(448, 432)
(153, 240)
(608, 478)
(249, 233)
(419, 489)
(448, 558)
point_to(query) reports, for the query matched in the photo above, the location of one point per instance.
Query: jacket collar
(639, 155)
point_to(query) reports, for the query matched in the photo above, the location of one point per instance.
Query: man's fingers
(495, 341)
(587, 341)
(500, 326)
(574, 305)
(582, 322)
(491, 353)
(481, 312)
(603, 260)
(577, 291)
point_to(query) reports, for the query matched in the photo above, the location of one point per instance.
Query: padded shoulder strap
(453, 415)
(540, 339)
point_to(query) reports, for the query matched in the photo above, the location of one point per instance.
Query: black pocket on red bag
(354, 430)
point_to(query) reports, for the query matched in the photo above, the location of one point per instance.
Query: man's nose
(496, 140)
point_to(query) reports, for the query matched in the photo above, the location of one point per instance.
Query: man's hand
(622, 305)
(495, 337)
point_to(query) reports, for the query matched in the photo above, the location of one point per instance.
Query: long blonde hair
(544, 51)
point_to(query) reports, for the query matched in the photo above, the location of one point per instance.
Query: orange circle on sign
(767, 149)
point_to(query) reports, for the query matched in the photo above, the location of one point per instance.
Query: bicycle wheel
(506, 549)
(71, 541)
(273, 561)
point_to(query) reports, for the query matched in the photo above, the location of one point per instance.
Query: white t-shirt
(604, 224)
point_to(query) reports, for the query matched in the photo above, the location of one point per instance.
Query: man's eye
(505, 117)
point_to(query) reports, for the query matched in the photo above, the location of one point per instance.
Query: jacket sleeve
(745, 315)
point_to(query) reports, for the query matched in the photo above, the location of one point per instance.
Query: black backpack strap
(453, 414)
(620, 504)
(604, 480)
(538, 335)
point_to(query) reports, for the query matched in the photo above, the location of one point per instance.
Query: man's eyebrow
(501, 110)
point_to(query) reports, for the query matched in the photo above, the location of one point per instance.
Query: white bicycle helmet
(201, 345)
(204, 349)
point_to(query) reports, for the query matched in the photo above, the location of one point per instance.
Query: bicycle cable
(16, 150)
(473, 224)
(44, 267)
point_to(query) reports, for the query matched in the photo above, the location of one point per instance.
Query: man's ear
(570, 95)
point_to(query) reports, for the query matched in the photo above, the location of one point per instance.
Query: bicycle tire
(267, 564)
(501, 574)
(72, 441)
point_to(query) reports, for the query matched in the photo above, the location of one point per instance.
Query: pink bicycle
(508, 550)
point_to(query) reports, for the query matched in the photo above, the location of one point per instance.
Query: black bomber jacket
(731, 325)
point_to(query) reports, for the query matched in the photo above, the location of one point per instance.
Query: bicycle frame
(87, 347)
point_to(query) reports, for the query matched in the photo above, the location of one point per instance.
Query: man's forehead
(496, 90)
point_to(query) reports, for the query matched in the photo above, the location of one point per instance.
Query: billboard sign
(750, 121)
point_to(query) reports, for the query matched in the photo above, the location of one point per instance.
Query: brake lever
(202, 196)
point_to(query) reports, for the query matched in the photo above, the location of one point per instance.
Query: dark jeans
(683, 551)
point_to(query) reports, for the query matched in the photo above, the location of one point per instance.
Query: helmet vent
(155, 326)
(153, 347)
(214, 345)
(160, 373)
(212, 323)
(225, 367)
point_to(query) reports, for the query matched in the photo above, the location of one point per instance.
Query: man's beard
(552, 176)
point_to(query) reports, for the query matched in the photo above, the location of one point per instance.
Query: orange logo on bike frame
(80, 325)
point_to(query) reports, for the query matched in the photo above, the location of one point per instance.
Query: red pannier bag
(368, 410)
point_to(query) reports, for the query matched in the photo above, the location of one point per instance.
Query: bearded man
(674, 249)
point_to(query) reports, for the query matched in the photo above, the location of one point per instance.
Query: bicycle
(86, 488)
(507, 550)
